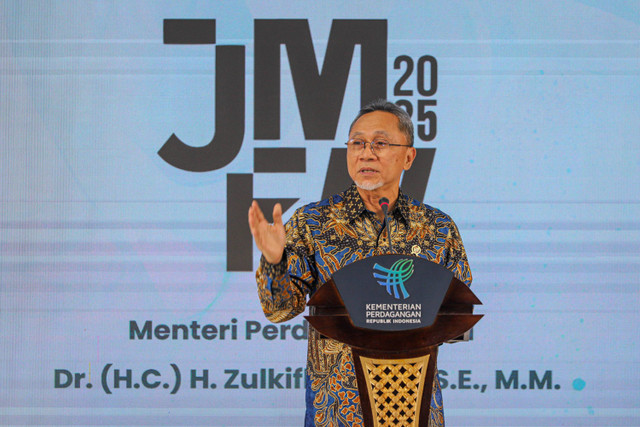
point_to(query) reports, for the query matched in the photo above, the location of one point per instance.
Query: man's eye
(357, 143)
(380, 144)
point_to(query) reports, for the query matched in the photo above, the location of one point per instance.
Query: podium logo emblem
(393, 278)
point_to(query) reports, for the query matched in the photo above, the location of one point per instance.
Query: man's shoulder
(322, 206)
(422, 211)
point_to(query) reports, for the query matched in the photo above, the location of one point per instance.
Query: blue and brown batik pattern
(325, 236)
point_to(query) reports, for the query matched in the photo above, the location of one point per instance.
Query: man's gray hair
(404, 120)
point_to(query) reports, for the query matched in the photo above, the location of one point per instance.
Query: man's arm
(456, 259)
(458, 263)
(286, 280)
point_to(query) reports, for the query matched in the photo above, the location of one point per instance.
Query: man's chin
(368, 186)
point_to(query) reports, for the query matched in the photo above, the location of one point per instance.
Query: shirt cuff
(274, 270)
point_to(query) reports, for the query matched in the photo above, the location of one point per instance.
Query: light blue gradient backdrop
(538, 161)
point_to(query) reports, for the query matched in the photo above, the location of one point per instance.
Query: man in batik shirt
(320, 238)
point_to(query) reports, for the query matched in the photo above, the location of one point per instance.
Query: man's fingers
(252, 219)
(269, 238)
(277, 214)
(258, 212)
(256, 217)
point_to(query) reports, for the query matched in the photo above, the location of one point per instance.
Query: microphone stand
(384, 205)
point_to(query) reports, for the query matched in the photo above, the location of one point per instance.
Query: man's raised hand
(270, 238)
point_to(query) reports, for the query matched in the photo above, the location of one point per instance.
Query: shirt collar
(354, 206)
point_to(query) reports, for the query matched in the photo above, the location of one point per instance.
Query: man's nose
(367, 152)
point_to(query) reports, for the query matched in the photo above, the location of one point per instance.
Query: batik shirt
(325, 236)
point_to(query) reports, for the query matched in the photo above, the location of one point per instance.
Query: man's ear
(410, 157)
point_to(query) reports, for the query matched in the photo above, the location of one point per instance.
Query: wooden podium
(394, 311)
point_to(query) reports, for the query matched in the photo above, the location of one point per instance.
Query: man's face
(379, 171)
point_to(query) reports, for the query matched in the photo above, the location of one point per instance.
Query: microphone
(384, 205)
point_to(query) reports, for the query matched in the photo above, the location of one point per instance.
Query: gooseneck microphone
(384, 205)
